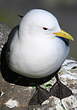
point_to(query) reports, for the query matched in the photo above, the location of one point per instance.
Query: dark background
(64, 10)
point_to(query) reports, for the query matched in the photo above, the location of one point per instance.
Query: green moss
(10, 19)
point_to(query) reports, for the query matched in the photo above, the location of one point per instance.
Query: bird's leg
(39, 96)
(59, 90)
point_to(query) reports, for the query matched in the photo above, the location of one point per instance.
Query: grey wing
(7, 74)
(6, 48)
(11, 35)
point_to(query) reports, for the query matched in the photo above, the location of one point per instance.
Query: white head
(38, 21)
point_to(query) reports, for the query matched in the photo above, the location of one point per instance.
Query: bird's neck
(65, 40)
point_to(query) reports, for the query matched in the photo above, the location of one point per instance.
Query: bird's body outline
(12, 68)
(32, 56)
(32, 50)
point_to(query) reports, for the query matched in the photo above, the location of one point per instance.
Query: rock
(13, 96)
(4, 32)
(17, 97)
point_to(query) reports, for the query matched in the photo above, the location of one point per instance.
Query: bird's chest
(37, 55)
(35, 51)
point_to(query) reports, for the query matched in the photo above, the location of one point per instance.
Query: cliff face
(17, 97)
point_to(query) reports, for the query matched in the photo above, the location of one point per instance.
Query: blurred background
(64, 10)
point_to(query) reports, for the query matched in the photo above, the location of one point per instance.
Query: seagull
(35, 50)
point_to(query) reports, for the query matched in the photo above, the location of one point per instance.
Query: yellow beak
(64, 35)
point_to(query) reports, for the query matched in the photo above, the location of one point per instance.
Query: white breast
(38, 57)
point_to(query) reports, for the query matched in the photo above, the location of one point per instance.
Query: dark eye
(45, 28)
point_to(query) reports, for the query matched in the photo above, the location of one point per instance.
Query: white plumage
(37, 52)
